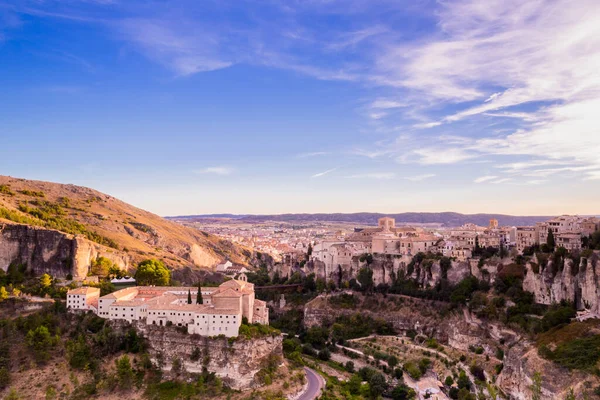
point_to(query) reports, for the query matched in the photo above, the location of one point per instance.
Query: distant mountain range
(448, 219)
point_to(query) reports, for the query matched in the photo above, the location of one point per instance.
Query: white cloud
(436, 155)
(419, 178)
(554, 72)
(313, 154)
(377, 115)
(220, 170)
(485, 179)
(592, 176)
(374, 175)
(183, 48)
(387, 104)
(503, 180)
(426, 125)
(320, 174)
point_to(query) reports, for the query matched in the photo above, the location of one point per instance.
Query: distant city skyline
(270, 107)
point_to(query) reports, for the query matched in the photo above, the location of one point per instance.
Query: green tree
(551, 242)
(199, 299)
(536, 387)
(377, 384)
(124, 372)
(189, 297)
(365, 278)
(321, 285)
(102, 266)
(40, 342)
(403, 392)
(45, 281)
(310, 250)
(115, 272)
(354, 384)
(152, 272)
(3, 293)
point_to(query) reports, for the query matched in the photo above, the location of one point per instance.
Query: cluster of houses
(567, 230)
(458, 243)
(387, 238)
(220, 313)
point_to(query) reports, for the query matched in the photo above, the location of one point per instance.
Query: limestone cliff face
(387, 267)
(236, 362)
(522, 361)
(579, 285)
(52, 252)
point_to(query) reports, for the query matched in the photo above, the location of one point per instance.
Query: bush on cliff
(254, 331)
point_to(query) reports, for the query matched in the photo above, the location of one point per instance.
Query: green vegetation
(152, 272)
(52, 216)
(102, 266)
(252, 331)
(5, 189)
(33, 193)
(581, 353)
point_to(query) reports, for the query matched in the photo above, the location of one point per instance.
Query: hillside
(449, 219)
(111, 223)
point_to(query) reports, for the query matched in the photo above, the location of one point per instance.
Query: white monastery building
(220, 313)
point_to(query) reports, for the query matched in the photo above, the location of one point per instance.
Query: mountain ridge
(448, 219)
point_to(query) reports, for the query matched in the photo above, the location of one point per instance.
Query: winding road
(315, 384)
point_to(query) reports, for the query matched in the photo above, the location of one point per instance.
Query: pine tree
(189, 297)
(199, 296)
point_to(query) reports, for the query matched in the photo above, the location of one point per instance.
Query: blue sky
(185, 107)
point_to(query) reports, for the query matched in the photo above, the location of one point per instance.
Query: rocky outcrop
(237, 360)
(522, 362)
(577, 283)
(52, 252)
(386, 268)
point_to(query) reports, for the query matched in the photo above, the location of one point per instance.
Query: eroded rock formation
(236, 361)
(52, 252)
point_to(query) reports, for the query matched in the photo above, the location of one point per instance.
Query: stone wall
(52, 252)
(236, 361)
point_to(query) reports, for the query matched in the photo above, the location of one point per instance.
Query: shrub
(413, 370)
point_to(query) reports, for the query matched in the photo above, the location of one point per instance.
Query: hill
(111, 225)
(449, 219)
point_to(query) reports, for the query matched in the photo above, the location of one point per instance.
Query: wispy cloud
(185, 49)
(320, 174)
(419, 178)
(485, 178)
(219, 170)
(313, 154)
(374, 175)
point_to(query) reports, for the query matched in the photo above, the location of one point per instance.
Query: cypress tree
(551, 242)
(189, 297)
(199, 296)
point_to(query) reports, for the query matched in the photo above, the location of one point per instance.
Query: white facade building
(220, 313)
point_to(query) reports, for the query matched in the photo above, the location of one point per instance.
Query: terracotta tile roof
(84, 290)
(228, 293)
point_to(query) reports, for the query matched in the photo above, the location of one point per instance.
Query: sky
(276, 106)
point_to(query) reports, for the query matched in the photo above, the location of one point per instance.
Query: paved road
(315, 384)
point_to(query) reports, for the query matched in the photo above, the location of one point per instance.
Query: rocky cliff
(578, 281)
(52, 252)
(133, 233)
(387, 267)
(237, 361)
